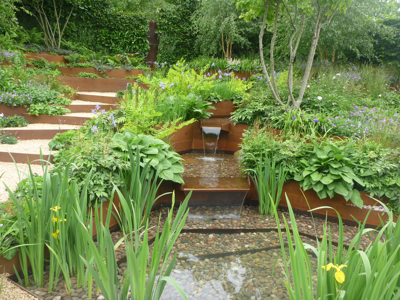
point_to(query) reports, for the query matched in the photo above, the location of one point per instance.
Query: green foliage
(63, 140)
(7, 138)
(269, 182)
(330, 171)
(25, 185)
(180, 80)
(251, 109)
(380, 169)
(146, 275)
(285, 151)
(219, 28)
(87, 75)
(45, 109)
(227, 88)
(8, 21)
(155, 152)
(13, 121)
(93, 155)
(343, 273)
(387, 47)
(109, 31)
(175, 33)
(50, 219)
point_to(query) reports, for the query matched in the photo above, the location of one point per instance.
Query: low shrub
(13, 121)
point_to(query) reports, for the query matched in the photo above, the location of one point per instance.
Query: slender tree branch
(260, 40)
(65, 25)
(272, 49)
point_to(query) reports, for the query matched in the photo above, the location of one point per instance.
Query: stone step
(80, 106)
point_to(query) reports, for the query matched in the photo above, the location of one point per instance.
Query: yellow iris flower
(55, 208)
(339, 275)
(55, 234)
(54, 219)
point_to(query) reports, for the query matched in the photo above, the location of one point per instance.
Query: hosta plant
(153, 151)
(330, 171)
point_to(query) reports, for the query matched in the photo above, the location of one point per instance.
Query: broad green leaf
(346, 169)
(322, 153)
(318, 187)
(177, 168)
(167, 175)
(331, 186)
(165, 163)
(356, 199)
(341, 189)
(346, 178)
(322, 194)
(339, 156)
(298, 177)
(150, 151)
(316, 176)
(335, 164)
(327, 179)
(330, 193)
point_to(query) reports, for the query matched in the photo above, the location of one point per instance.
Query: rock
(57, 298)
(101, 297)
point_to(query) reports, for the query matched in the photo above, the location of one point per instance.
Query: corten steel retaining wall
(114, 73)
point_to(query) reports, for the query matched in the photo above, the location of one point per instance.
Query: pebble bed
(221, 266)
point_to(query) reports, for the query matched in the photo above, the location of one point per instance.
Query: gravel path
(11, 292)
(10, 176)
(87, 115)
(81, 102)
(27, 146)
(109, 94)
(44, 126)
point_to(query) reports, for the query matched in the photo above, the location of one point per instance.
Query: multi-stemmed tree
(297, 13)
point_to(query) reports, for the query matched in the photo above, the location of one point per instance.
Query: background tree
(8, 20)
(219, 27)
(54, 22)
(296, 12)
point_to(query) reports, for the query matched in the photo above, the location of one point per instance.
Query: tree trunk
(293, 56)
(314, 43)
(260, 43)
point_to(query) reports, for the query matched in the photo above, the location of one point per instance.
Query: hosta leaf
(322, 153)
(177, 168)
(150, 151)
(307, 172)
(346, 169)
(322, 194)
(9, 254)
(346, 178)
(318, 187)
(339, 156)
(327, 179)
(356, 199)
(298, 177)
(348, 196)
(333, 171)
(178, 178)
(316, 176)
(167, 175)
(166, 163)
(331, 186)
(341, 188)
(330, 193)
(335, 164)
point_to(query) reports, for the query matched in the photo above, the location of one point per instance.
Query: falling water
(210, 141)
